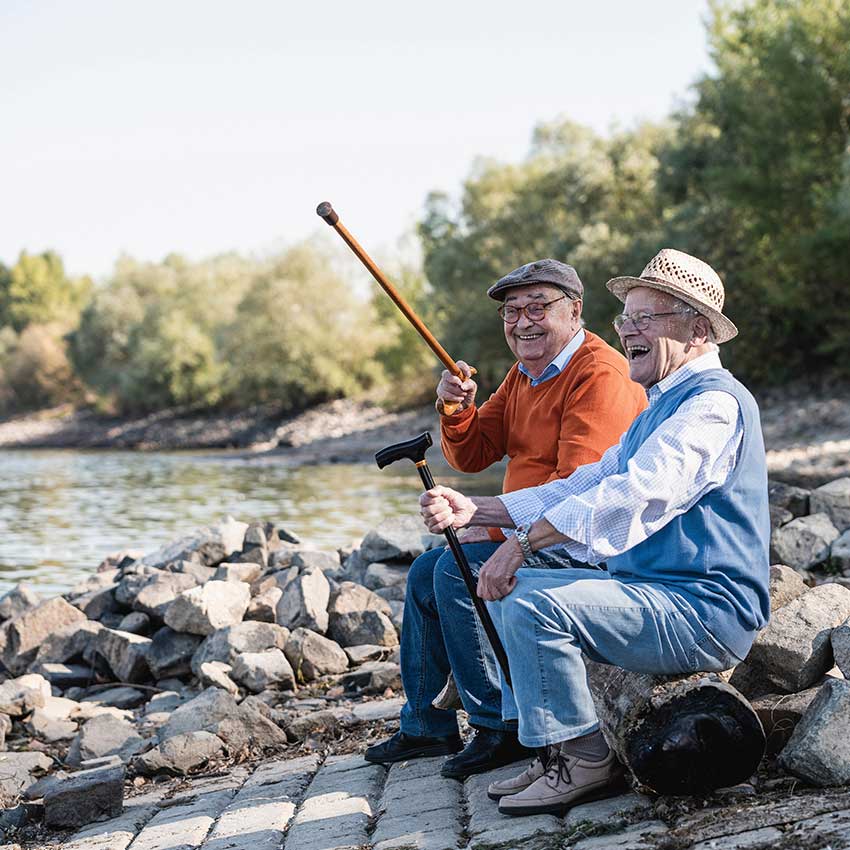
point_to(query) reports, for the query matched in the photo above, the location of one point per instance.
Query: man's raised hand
(442, 507)
(453, 390)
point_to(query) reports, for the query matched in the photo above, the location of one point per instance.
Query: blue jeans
(442, 634)
(550, 619)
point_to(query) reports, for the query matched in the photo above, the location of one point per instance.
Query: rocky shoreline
(228, 682)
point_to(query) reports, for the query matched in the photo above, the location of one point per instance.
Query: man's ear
(701, 333)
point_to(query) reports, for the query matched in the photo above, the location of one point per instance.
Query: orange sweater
(549, 430)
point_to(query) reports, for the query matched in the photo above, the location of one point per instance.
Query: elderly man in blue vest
(678, 509)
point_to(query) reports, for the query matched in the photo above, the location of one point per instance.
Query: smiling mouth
(638, 351)
(528, 337)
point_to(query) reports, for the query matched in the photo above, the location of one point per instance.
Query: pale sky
(202, 126)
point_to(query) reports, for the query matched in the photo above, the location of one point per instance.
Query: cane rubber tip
(326, 211)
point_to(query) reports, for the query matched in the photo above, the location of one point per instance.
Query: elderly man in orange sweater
(567, 399)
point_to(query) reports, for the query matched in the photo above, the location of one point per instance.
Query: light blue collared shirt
(559, 363)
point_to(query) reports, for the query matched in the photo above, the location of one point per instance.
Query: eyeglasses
(534, 312)
(641, 319)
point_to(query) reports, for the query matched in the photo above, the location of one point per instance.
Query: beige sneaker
(497, 790)
(567, 780)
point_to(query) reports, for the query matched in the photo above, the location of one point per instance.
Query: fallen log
(682, 735)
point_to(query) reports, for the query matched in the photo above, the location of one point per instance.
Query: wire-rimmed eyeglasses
(534, 312)
(642, 318)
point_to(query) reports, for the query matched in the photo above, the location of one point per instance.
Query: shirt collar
(559, 363)
(703, 363)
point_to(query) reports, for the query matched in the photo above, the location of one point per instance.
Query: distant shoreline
(807, 433)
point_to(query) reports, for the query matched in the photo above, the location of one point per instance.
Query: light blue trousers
(552, 617)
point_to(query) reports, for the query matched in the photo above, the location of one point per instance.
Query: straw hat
(693, 281)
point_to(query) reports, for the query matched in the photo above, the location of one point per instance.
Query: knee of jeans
(447, 578)
(420, 576)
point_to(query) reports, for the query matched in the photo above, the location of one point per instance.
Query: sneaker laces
(558, 768)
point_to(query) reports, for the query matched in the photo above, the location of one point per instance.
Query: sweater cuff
(453, 421)
(496, 535)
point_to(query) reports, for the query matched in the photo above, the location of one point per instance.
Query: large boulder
(786, 584)
(209, 546)
(72, 642)
(214, 605)
(804, 542)
(260, 671)
(357, 616)
(157, 594)
(833, 499)
(105, 736)
(181, 753)
(312, 655)
(793, 651)
(22, 597)
(124, 653)
(85, 797)
(225, 645)
(170, 653)
(400, 537)
(305, 602)
(819, 749)
(28, 631)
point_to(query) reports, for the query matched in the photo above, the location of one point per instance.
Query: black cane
(415, 450)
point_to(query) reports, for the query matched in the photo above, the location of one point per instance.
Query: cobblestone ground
(344, 803)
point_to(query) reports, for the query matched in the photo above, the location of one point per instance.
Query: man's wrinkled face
(536, 343)
(666, 343)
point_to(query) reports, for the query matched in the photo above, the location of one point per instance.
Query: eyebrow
(538, 294)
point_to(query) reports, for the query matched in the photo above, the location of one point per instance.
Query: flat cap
(548, 271)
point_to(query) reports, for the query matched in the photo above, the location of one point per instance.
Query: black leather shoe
(489, 749)
(402, 747)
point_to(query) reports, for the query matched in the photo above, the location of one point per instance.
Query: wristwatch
(522, 538)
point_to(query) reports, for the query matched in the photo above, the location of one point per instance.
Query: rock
(103, 736)
(258, 555)
(19, 770)
(395, 593)
(202, 574)
(314, 559)
(833, 499)
(124, 653)
(20, 696)
(96, 604)
(804, 542)
(312, 655)
(840, 639)
(85, 797)
(785, 584)
(780, 714)
(263, 606)
(839, 553)
(385, 575)
(357, 616)
(258, 671)
(305, 602)
(819, 749)
(247, 572)
(157, 594)
(364, 652)
(136, 622)
(211, 606)
(316, 722)
(255, 534)
(121, 697)
(227, 644)
(170, 653)
(75, 641)
(47, 727)
(180, 754)
(793, 651)
(26, 633)
(788, 497)
(779, 516)
(65, 676)
(402, 537)
(210, 546)
(22, 597)
(217, 674)
(5, 729)
(373, 677)
(218, 712)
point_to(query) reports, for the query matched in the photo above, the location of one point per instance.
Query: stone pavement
(343, 803)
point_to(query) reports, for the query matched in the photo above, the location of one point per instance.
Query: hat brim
(498, 291)
(724, 330)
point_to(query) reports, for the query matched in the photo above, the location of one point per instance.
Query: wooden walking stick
(326, 211)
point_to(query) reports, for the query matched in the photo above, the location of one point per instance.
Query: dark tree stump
(684, 735)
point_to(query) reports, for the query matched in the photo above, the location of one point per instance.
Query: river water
(62, 512)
